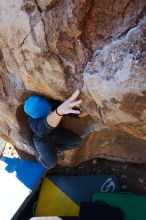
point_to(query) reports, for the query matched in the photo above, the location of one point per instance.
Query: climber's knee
(48, 163)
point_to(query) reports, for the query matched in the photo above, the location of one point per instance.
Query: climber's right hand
(67, 106)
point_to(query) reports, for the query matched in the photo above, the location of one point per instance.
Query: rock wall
(52, 47)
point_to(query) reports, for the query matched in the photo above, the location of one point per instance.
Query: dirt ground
(131, 177)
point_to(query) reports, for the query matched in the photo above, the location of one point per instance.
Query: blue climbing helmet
(37, 107)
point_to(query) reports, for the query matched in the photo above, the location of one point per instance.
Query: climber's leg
(46, 152)
(68, 139)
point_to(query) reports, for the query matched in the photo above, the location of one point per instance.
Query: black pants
(46, 148)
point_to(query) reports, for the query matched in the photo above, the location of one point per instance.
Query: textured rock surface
(52, 47)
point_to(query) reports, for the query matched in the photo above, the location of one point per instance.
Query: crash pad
(61, 195)
(18, 179)
(133, 206)
(46, 218)
(54, 218)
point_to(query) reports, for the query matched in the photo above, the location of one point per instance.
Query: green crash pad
(133, 206)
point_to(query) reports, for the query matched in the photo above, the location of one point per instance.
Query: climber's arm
(54, 119)
(65, 108)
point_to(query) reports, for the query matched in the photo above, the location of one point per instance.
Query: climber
(48, 132)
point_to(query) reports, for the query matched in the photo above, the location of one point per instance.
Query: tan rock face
(52, 47)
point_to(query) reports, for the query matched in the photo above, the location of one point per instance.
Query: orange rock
(53, 47)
